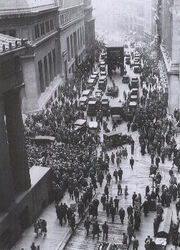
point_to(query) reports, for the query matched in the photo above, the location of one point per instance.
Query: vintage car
(94, 77)
(80, 125)
(137, 69)
(102, 83)
(116, 111)
(98, 94)
(135, 91)
(126, 79)
(116, 139)
(92, 108)
(93, 127)
(128, 59)
(83, 100)
(133, 98)
(165, 225)
(95, 73)
(86, 93)
(103, 73)
(90, 84)
(132, 107)
(134, 83)
(105, 105)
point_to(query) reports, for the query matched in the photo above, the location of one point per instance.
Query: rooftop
(11, 7)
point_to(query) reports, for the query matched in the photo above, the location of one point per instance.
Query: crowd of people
(78, 164)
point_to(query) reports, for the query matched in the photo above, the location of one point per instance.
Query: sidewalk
(56, 235)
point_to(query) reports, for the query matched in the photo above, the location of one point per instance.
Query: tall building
(22, 191)
(168, 23)
(60, 32)
(36, 21)
(72, 35)
(89, 28)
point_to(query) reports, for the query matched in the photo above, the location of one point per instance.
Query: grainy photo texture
(89, 124)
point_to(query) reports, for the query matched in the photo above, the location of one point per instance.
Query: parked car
(134, 83)
(137, 69)
(92, 108)
(102, 83)
(105, 105)
(83, 102)
(80, 125)
(126, 79)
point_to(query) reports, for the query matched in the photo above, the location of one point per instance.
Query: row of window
(75, 42)
(47, 70)
(43, 28)
(70, 15)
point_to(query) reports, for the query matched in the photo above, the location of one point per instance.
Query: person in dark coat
(135, 243)
(105, 229)
(112, 212)
(116, 203)
(131, 162)
(145, 206)
(147, 190)
(87, 224)
(122, 215)
(73, 223)
(130, 232)
(125, 239)
(120, 174)
(96, 229)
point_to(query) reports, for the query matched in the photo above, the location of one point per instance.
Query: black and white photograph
(89, 124)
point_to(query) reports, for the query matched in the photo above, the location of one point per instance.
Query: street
(136, 180)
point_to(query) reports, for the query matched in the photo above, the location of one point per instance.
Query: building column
(32, 90)
(174, 92)
(16, 139)
(6, 179)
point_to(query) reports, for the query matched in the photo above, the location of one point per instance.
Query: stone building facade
(37, 22)
(72, 35)
(168, 32)
(23, 192)
(60, 32)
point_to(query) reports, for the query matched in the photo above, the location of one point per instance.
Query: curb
(68, 236)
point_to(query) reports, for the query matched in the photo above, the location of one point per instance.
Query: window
(42, 27)
(78, 39)
(50, 66)
(83, 35)
(46, 71)
(68, 48)
(72, 53)
(51, 24)
(47, 26)
(41, 78)
(54, 60)
(62, 19)
(37, 34)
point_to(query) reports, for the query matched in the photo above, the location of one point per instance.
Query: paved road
(136, 180)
